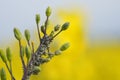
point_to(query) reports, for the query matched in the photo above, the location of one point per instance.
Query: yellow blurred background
(84, 60)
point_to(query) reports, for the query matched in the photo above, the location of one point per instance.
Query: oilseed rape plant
(34, 57)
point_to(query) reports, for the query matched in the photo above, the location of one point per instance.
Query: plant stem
(10, 68)
(27, 61)
(28, 42)
(12, 77)
(23, 63)
(25, 77)
(46, 22)
(57, 34)
(38, 52)
(38, 32)
(32, 47)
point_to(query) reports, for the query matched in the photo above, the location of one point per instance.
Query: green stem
(12, 77)
(57, 34)
(46, 22)
(32, 48)
(23, 63)
(38, 32)
(28, 42)
(27, 61)
(10, 68)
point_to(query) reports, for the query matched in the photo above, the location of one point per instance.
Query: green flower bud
(58, 52)
(36, 70)
(28, 52)
(37, 18)
(48, 11)
(22, 51)
(52, 33)
(3, 74)
(2, 55)
(64, 46)
(65, 26)
(9, 54)
(17, 34)
(57, 27)
(27, 35)
(43, 29)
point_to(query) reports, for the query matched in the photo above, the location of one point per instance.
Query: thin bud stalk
(57, 34)
(10, 71)
(10, 66)
(28, 42)
(39, 32)
(21, 55)
(32, 47)
(46, 22)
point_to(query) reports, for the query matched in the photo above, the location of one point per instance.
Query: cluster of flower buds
(6, 58)
(42, 53)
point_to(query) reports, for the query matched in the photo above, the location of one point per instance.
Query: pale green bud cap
(48, 11)
(27, 35)
(2, 55)
(3, 74)
(57, 27)
(28, 52)
(58, 52)
(64, 46)
(36, 70)
(9, 54)
(17, 34)
(65, 26)
(37, 18)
